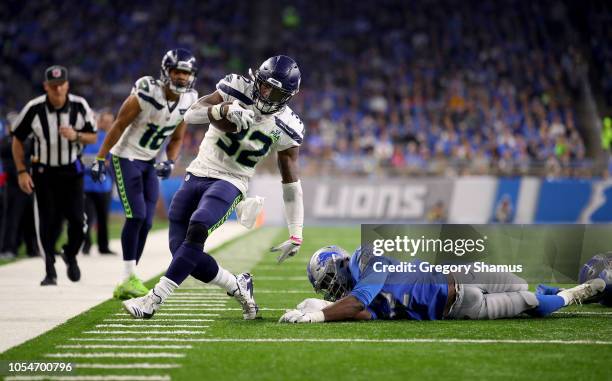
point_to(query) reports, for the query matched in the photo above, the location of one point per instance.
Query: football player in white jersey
(152, 113)
(218, 178)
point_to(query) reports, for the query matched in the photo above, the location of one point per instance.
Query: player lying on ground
(256, 111)
(355, 290)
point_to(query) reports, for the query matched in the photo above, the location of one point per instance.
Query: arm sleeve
(22, 126)
(294, 208)
(370, 283)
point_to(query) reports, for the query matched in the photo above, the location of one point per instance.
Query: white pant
(490, 296)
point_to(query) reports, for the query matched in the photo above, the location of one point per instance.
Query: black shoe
(49, 281)
(85, 250)
(74, 273)
(107, 252)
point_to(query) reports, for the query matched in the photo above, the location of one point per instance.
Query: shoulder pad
(291, 124)
(146, 84)
(236, 86)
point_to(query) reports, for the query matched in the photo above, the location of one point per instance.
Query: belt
(452, 295)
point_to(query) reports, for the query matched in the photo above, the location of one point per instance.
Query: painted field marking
(167, 314)
(144, 365)
(216, 309)
(194, 305)
(582, 313)
(119, 346)
(168, 332)
(135, 339)
(143, 321)
(116, 355)
(415, 340)
(150, 326)
(88, 378)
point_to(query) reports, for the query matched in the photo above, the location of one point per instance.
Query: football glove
(287, 249)
(297, 316)
(239, 115)
(313, 305)
(98, 170)
(164, 169)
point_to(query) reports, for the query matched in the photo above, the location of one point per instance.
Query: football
(224, 124)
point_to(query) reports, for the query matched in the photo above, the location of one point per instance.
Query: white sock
(164, 288)
(565, 297)
(225, 280)
(129, 268)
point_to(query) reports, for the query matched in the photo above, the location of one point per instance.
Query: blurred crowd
(389, 87)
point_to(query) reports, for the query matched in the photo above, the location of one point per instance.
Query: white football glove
(248, 209)
(297, 316)
(287, 249)
(313, 305)
(239, 115)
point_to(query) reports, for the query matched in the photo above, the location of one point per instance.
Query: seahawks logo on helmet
(180, 59)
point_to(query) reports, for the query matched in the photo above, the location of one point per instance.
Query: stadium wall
(350, 201)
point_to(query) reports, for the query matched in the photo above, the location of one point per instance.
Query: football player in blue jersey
(358, 287)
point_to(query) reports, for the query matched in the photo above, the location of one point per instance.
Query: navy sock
(547, 305)
(142, 239)
(131, 229)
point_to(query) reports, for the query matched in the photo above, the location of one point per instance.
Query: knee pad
(196, 234)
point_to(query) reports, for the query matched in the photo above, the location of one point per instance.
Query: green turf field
(205, 341)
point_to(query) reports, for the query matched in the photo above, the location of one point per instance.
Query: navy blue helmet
(276, 81)
(180, 59)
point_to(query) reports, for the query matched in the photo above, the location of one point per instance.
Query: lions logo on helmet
(328, 272)
(600, 266)
(180, 59)
(276, 81)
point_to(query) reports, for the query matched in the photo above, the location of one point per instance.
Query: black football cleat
(49, 281)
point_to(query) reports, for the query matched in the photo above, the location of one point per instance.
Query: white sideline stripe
(138, 338)
(256, 278)
(264, 291)
(116, 346)
(187, 298)
(191, 307)
(143, 321)
(581, 313)
(144, 365)
(115, 354)
(88, 378)
(150, 326)
(195, 305)
(217, 309)
(166, 314)
(419, 340)
(168, 332)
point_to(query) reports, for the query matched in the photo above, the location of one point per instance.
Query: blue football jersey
(397, 295)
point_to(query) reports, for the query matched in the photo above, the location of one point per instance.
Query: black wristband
(22, 171)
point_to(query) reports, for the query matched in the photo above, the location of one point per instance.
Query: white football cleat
(143, 307)
(582, 292)
(244, 296)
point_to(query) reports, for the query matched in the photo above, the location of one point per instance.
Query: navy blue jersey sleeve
(370, 282)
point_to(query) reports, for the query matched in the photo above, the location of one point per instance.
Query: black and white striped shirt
(41, 119)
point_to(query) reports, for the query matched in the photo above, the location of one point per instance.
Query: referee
(60, 124)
